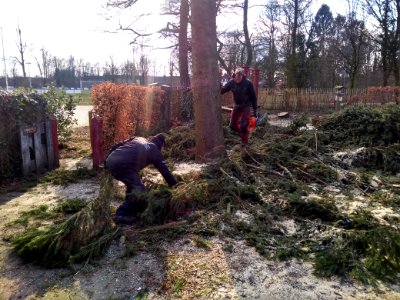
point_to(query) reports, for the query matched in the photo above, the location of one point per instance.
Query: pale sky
(80, 28)
(70, 27)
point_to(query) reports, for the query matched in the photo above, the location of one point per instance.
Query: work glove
(257, 115)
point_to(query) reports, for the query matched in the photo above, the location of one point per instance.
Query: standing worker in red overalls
(244, 97)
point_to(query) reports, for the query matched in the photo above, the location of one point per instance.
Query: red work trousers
(239, 122)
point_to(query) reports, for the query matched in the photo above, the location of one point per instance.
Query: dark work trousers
(239, 121)
(131, 205)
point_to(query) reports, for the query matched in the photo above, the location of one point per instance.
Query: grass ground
(85, 98)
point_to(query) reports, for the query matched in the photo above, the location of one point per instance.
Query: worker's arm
(227, 87)
(165, 172)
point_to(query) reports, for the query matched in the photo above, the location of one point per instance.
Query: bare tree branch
(121, 3)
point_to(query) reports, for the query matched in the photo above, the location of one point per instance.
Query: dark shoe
(122, 210)
(243, 150)
(127, 220)
(131, 207)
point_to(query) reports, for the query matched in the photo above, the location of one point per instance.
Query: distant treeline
(65, 79)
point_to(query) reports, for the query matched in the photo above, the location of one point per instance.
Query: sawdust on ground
(183, 270)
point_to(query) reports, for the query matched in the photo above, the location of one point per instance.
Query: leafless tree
(111, 70)
(230, 51)
(58, 63)
(243, 38)
(270, 29)
(128, 71)
(143, 66)
(44, 65)
(21, 45)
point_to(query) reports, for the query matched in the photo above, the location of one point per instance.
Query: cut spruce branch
(287, 171)
(311, 176)
(82, 236)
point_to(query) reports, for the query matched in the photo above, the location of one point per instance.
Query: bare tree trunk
(206, 88)
(183, 44)
(292, 60)
(295, 27)
(21, 50)
(183, 48)
(249, 49)
(44, 66)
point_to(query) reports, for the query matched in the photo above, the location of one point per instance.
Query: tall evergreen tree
(206, 88)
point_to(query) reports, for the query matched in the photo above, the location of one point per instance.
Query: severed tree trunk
(205, 83)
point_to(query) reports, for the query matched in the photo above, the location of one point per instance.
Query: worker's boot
(125, 215)
(129, 211)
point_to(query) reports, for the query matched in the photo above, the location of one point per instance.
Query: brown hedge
(127, 110)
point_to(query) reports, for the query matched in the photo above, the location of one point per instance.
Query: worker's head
(239, 75)
(158, 139)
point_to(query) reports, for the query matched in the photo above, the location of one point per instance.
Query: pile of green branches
(289, 164)
(366, 250)
(82, 236)
(376, 129)
(207, 192)
(385, 158)
(363, 126)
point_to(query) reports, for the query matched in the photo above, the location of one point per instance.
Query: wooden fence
(317, 100)
(298, 100)
(324, 100)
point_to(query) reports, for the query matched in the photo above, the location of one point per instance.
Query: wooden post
(49, 145)
(40, 154)
(54, 135)
(96, 139)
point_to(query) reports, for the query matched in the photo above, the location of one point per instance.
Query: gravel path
(82, 115)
